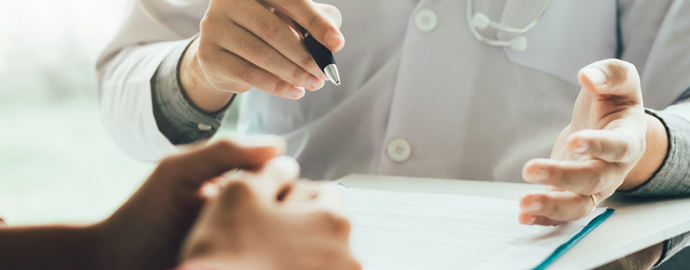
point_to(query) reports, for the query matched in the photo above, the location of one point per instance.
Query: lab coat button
(426, 20)
(399, 150)
(204, 127)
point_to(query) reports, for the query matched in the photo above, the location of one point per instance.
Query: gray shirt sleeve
(176, 116)
(672, 179)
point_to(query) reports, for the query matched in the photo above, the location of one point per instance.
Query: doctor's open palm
(597, 153)
(245, 44)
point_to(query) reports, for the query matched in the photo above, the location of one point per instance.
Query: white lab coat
(453, 107)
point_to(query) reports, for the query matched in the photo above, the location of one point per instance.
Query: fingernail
(297, 92)
(535, 206)
(316, 84)
(532, 221)
(540, 175)
(287, 166)
(582, 147)
(333, 40)
(595, 75)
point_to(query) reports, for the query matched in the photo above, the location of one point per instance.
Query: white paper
(399, 231)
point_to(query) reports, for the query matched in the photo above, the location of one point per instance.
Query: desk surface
(636, 224)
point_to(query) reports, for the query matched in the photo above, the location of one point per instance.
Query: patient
(192, 210)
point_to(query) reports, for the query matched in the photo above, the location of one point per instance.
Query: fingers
(322, 21)
(211, 161)
(276, 179)
(303, 192)
(331, 199)
(532, 219)
(589, 177)
(618, 145)
(224, 70)
(323, 204)
(553, 207)
(264, 187)
(275, 31)
(256, 51)
(618, 81)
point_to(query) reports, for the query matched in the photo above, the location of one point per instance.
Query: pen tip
(337, 83)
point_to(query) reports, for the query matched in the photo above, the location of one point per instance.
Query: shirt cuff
(673, 177)
(673, 246)
(176, 116)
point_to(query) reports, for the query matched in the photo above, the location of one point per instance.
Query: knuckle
(623, 152)
(224, 145)
(205, 53)
(289, 3)
(617, 72)
(298, 74)
(248, 75)
(307, 60)
(316, 21)
(258, 53)
(338, 224)
(586, 202)
(235, 193)
(168, 165)
(206, 25)
(271, 30)
(281, 87)
(553, 210)
(594, 182)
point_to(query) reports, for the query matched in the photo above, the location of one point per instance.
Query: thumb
(614, 80)
(331, 13)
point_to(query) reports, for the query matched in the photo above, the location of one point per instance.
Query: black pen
(322, 56)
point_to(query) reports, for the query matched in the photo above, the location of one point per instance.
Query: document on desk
(399, 231)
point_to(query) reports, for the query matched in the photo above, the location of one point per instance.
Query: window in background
(57, 164)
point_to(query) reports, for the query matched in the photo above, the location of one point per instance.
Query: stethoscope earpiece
(481, 21)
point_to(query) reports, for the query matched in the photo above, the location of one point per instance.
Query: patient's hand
(268, 220)
(147, 231)
(611, 144)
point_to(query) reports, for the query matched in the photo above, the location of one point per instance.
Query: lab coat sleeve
(125, 69)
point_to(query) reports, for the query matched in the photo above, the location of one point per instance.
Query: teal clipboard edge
(567, 245)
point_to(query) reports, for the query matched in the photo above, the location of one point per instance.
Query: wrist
(193, 81)
(654, 155)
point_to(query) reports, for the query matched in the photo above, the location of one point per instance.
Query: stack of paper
(398, 231)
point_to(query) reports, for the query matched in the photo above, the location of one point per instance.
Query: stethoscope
(481, 21)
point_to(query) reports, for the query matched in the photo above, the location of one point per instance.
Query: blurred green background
(57, 163)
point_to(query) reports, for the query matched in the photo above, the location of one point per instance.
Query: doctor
(450, 89)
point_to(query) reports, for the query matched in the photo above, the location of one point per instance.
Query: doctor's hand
(248, 44)
(611, 144)
(269, 220)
